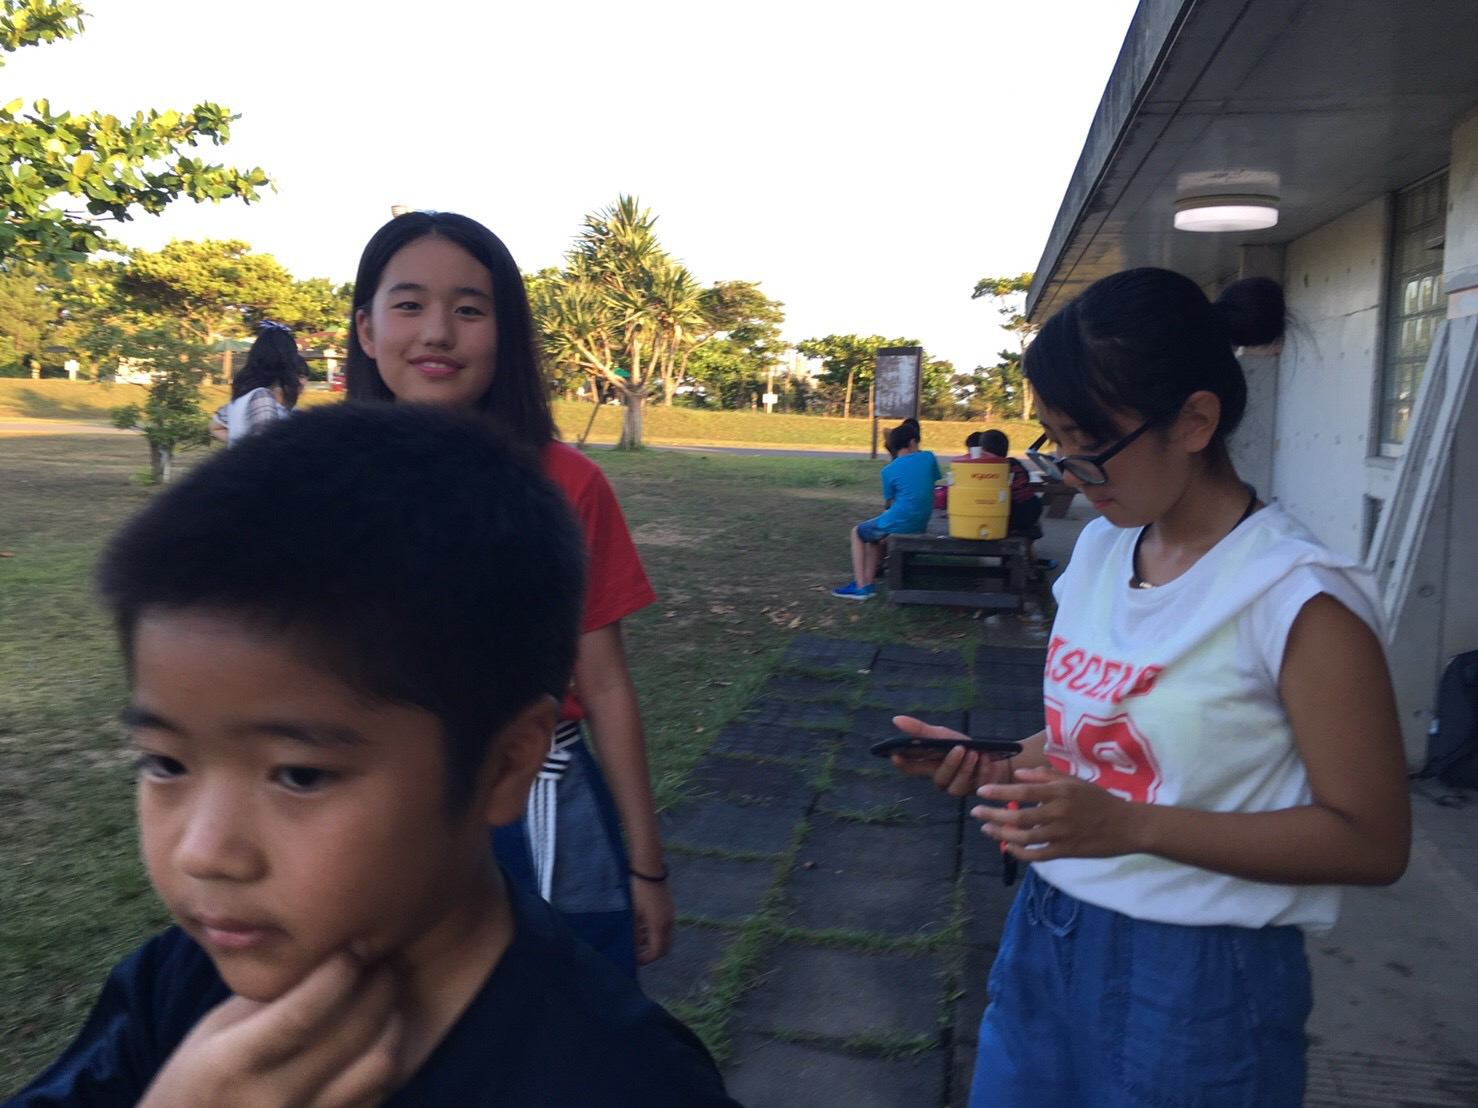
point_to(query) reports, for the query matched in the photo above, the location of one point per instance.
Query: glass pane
(1415, 301)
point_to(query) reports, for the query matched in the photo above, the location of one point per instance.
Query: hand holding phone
(914, 746)
(956, 763)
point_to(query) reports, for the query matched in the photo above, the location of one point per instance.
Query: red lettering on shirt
(1145, 681)
(1095, 676)
(1067, 665)
(1057, 642)
(1081, 679)
(1060, 757)
(1111, 753)
(1111, 672)
(1119, 757)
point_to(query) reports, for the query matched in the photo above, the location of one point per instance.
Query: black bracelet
(648, 877)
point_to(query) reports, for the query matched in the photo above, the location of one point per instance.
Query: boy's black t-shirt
(555, 1025)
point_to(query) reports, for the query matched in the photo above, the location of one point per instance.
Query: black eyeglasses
(1087, 468)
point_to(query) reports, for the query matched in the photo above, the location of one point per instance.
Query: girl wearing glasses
(1221, 749)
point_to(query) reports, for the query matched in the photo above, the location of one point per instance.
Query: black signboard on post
(897, 379)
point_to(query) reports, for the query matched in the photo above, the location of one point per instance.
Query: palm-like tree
(622, 310)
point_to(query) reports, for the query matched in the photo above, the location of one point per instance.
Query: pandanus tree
(623, 310)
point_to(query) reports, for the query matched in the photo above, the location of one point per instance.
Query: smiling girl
(441, 317)
(1221, 747)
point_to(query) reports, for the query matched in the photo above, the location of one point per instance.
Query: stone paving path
(837, 920)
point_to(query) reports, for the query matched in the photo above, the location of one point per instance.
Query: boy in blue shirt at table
(320, 757)
(908, 493)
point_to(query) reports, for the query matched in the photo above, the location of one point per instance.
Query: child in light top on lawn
(320, 758)
(1221, 747)
(265, 389)
(908, 493)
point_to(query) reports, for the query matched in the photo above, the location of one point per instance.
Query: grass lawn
(91, 401)
(743, 552)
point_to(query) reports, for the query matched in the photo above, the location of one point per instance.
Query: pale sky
(864, 162)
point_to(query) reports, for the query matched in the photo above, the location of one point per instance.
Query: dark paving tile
(685, 971)
(918, 799)
(991, 673)
(974, 978)
(897, 653)
(867, 850)
(746, 782)
(838, 994)
(961, 1071)
(926, 676)
(1017, 698)
(817, 653)
(900, 905)
(796, 714)
(766, 1073)
(878, 722)
(787, 686)
(910, 698)
(854, 752)
(1000, 723)
(979, 853)
(720, 889)
(767, 740)
(740, 828)
(987, 903)
(1011, 655)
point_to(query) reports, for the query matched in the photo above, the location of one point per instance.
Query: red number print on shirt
(1111, 753)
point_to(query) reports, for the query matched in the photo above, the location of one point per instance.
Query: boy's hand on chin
(331, 1041)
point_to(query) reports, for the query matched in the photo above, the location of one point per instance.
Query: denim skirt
(1089, 1006)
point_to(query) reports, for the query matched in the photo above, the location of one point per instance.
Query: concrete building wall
(1326, 394)
(1252, 445)
(1333, 279)
(1460, 265)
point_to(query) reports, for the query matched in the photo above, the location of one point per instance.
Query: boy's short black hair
(905, 433)
(995, 442)
(412, 553)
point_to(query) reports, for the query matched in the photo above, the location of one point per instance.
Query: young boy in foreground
(346, 641)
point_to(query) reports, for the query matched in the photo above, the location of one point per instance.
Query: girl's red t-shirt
(616, 584)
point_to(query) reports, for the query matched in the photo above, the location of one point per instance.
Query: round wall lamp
(1226, 213)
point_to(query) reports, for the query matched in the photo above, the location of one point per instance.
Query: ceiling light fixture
(1226, 213)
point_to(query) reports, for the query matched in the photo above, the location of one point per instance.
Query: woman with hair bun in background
(1221, 749)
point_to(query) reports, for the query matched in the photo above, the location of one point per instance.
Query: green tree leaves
(847, 361)
(172, 417)
(999, 391)
(108, 166)
(627, 315)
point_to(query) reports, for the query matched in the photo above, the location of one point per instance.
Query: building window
(1415, 302)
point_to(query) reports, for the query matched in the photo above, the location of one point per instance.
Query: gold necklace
(1138, 582)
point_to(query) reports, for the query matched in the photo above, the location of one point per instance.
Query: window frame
(1402, 241)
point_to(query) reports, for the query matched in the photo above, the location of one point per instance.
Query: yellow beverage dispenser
(979, 497)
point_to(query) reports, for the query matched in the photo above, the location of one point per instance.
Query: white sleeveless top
(1170, 696)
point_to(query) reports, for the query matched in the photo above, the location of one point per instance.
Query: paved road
(57, 427)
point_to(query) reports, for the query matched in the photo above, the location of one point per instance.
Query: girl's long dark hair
(517, 396)
(273, 362)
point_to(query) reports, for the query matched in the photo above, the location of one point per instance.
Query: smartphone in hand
(912, 746)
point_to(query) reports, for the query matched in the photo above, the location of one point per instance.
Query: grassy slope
(742, 552)
(85, 400)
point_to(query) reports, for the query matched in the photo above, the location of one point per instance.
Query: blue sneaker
(853, 591)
